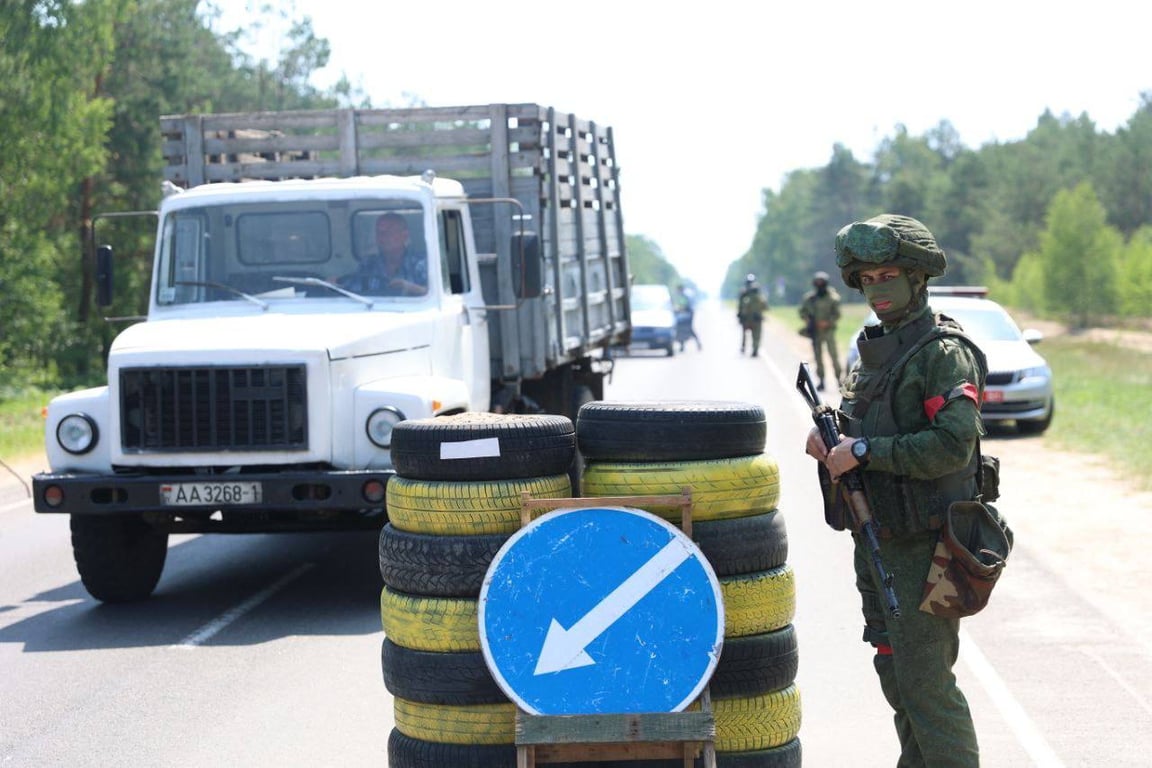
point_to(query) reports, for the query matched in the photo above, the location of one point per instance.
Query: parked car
(1019, 385)
(653, 318)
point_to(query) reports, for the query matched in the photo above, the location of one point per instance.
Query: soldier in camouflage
(911, 422)
(820, 310)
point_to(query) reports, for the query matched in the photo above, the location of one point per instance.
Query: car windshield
(987, 323)
(284, 249)
(651, 297)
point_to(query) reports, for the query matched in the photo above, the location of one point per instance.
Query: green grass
(22, 423)
(1103, 402)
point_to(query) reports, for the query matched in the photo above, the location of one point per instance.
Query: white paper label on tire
(470, 449)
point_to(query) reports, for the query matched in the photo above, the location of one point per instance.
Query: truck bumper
(285, 497)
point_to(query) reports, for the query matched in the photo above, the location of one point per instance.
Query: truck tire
(439, 566)
(438, 678)
(721, 488)
(756, 664)
(755, 603)
(785, 756)
(457, 724)
(438, 624)
(407, 752)
(119, 558)
(474, 508)
(677, 430)
(754, 723)
(501, 446)
(743, 544)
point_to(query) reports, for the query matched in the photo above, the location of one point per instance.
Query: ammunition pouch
(988, 478)
(971, 552)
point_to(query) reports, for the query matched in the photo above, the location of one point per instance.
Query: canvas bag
(970, 555)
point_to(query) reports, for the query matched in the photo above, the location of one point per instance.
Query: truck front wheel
(119, 558)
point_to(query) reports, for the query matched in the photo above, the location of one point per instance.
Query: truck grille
(218, 408)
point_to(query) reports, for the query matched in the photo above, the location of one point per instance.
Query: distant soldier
(750, 312)
(820, 310)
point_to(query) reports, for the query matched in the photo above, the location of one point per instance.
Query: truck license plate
(192, 494)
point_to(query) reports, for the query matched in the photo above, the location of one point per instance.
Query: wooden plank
(565, 753)
(643, 728)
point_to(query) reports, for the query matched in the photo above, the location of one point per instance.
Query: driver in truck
(394, 270)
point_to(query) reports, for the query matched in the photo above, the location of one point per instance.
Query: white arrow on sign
(564, 648)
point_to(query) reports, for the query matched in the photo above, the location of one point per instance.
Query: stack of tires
(717, 449)
(454, 501)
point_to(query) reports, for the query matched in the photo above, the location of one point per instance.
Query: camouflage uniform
(751, 307)
(820, 310)
(923, 431)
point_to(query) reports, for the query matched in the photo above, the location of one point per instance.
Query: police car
(1019, 385)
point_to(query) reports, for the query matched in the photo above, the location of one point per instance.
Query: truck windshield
(332, 249)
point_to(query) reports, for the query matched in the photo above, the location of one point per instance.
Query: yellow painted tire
(464, 724)
(755, 603)
(447, 508)
(442, 624)
(721, 488)
(757, 722)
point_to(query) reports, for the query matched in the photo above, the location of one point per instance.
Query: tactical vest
(904, 505)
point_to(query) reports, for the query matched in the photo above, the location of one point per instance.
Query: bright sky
(713, 102)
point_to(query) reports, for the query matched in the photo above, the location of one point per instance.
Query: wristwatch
(862, 451)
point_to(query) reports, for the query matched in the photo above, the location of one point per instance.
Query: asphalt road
(261, 650)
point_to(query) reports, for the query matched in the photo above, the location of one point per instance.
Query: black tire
(756, 664)
(677, 430)
(1037, 427)
(407, 752)
(438, 678)
(785, 756)
(439, 566)
(120, 558)
(519, 445)
(743, 544)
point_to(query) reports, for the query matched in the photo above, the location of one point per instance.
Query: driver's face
(391, 236)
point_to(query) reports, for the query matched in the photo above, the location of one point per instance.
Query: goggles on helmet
(872, 243)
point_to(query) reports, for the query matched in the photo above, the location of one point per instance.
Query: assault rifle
(851, 484)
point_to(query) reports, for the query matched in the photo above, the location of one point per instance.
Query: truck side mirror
(527, 271)
(104, 275)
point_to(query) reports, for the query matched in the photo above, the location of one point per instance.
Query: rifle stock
(851, 484)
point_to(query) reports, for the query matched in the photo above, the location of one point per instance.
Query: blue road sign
(601, 610)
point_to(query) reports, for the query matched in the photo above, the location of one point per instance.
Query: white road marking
(1014, 715)
(206, 632)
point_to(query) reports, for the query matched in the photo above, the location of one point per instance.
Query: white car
(1019, 385)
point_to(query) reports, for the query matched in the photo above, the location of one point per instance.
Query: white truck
(260, 392)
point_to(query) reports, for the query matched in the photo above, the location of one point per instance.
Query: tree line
(82, 86)
(1059, 222)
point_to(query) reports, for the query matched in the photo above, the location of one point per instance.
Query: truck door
(464, 299)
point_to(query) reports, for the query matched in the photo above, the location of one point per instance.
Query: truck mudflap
(276, 498)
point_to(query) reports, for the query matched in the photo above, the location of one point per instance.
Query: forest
(1059, 222)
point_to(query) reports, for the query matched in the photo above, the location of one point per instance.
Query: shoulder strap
(945, 326)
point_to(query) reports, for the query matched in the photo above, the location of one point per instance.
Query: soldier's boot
(820, 386)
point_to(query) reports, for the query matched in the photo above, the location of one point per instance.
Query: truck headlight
(77, 433)
(380, 423)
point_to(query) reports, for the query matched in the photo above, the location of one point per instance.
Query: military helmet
(821, 275)
(887, 239)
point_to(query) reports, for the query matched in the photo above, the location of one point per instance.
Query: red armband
(933, 405)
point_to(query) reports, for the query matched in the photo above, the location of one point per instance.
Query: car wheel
(1039, 426)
